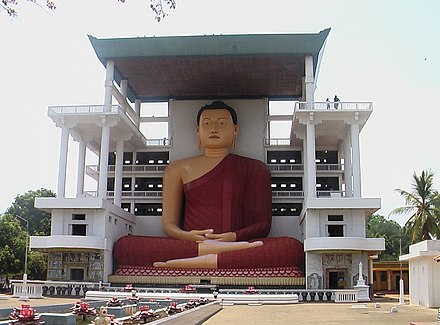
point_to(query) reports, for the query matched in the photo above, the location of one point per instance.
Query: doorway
(77, 274)
(336, 279)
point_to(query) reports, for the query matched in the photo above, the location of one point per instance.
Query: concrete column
(389, 281)
(347, 167)
(124, 86)
(137, 109)
(109, 77)
(356, 160)
(305, 164)
(103, 161)
(309, 80)
(311, 159)
(118, 172)
(62, 164)
(81, 169)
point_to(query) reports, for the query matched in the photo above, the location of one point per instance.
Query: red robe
(234, 196)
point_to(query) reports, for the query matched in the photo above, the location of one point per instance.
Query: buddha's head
(217, 126)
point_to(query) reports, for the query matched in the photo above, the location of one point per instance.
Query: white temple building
(316, 170)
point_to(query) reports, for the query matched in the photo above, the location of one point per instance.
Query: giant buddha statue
(217, 208)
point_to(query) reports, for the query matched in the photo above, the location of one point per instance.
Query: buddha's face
(216, 129)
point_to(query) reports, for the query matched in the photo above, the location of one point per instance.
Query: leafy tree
(23, 206)
(423, 203)
(156, 5)
(37, 265)
(380, 227)
(12, 246)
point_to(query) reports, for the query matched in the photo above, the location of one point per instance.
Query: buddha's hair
(218, 104)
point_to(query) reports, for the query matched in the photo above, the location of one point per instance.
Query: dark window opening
(110, 184)
(79, 230)
(287, 184)
(153, 158)
(383, 276)
(327, 183)
(148, 209)
(326, 157)
(78, 217)
(335, 218)
(148, 184)
(335, 230)
(126, 206)
(128, 158)
(284, 157)
(286, 209)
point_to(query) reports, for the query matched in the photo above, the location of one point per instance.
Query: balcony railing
(334, 106)
(329, 167)
(277, 141)
(93, 169)
(330, 194)
(126, 194)
(86, 109)
(285, 167)
(284, 194)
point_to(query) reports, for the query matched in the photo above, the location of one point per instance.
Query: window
(383, 276)
(78, 217)
(326, 157)
(148, 184)
(79, 230)
(335, 230)
(148, 209)
(128, 158)
(287, 184)
(335, 218)
(126, 206)
(286, 209)
(152, 158)
(284, 157)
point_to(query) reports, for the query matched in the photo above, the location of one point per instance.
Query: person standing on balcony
(336, 101)
(327, 101)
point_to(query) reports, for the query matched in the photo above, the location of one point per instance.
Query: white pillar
(62, 167)
(311, 159)
(118, 172)
(137, 109)
(309, 80)
(81, 169)
(103, 161)
(347, 168)
(124, 87)
(356, 160)
(109, 76)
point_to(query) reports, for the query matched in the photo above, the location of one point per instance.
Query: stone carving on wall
(314, 281)
(336, 260)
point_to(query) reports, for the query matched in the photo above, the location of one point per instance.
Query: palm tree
(423, 202)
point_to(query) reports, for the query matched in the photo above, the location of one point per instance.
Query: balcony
(68, 241)
(93, 170)
(334, 106)
(326, 244)
(286, 167)
(288, 194)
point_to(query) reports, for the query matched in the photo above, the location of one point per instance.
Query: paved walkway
(301, 313)
(323, 313)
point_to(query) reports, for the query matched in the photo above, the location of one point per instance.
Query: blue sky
(386, 52)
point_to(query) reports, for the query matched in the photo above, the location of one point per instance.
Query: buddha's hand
(226, 236)
(200, 235)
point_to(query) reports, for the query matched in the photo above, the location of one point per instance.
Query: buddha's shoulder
(183, 164)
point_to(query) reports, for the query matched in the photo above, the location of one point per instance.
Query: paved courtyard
(301, 313)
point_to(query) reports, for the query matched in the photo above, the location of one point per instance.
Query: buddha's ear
(236, 128)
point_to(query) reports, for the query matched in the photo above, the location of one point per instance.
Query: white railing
(285, 167)
(330, 167)
(159, 142)
(334, 106)
(137, 193)
(332, 194)
(287, 193)
(93, 169)
(277, 141)
(84, 109)
(346, 295)
(34, 289)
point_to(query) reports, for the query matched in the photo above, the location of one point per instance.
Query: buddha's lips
(214, 137)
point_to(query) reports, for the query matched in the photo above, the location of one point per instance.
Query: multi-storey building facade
(316, 171)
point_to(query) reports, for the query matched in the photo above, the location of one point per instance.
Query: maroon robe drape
(234, 196)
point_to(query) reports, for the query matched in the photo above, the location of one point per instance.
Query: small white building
(424, 273)
(316, 168)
